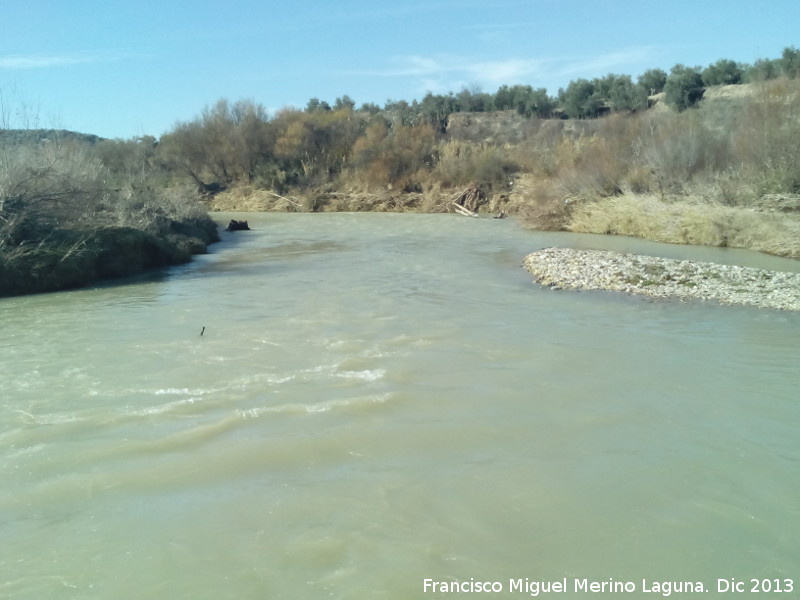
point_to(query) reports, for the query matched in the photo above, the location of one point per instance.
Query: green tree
(316, 105)
(722, 72)
(370, 107)
(400, 112)
(790, 62)
(684, 87)
(436, 108)
(503, 98)
(344, 103)
(580, 100)
(525, 100)
(540, 104)
(473, 100)
(652, 81)
(619, 93)
(763, 70)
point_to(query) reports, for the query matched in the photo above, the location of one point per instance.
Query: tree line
(61, 195)
(239, 142)
(230, 143)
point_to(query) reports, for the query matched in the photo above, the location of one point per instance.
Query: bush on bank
(65, 222)
(75, 258)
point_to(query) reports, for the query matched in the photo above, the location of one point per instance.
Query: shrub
(678, 147)
(46, 187)
(765, 130)
(59, 221)
(462, 163)
(545, 208)
(393, 157)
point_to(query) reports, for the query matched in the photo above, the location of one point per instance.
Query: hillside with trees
(696, 155)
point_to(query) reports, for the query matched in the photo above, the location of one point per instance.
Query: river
(380, 399)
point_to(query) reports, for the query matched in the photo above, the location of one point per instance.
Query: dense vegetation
(669, 156)
(66, 220)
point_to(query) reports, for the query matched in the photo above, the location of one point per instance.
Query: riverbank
(771, 225)
(569, 268)
(73, 258)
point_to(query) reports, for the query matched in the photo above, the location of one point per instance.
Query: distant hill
(26, 137)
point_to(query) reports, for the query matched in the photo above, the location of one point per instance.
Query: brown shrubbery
(724, 174)
(393, 157)
(710, 175)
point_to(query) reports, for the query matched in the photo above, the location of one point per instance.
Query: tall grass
(689, 222)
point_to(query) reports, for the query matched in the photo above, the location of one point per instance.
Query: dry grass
(689, 222)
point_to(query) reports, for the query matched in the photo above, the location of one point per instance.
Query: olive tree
(652, 81)
(581, 100)
(620, 93)
(722, 72)
(684, 87)
(790, 62)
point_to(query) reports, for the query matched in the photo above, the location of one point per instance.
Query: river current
(380, 399)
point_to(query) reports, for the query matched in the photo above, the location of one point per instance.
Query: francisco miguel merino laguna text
(535, 588)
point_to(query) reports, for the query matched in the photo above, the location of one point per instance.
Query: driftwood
(235, 225)
(469, 200)
(294, 202)
(464, 211)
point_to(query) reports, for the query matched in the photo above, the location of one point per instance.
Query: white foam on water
(365, 375)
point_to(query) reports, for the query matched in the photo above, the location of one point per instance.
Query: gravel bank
(570, 268)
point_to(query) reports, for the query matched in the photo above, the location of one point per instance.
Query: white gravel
(569, 268)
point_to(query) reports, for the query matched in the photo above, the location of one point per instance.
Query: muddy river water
(380, 400)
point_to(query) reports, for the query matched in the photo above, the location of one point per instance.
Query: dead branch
(464, 211)
(470, 198)
(295, 201)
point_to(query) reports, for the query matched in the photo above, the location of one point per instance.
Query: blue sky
(124, 69)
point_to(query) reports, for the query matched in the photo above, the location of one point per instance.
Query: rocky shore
(569, 268)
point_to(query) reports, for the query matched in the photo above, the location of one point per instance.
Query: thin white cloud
(45, 61)
(427, 66)
(498, 72)
(589, 67)
(446, 72)
(39, 61)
